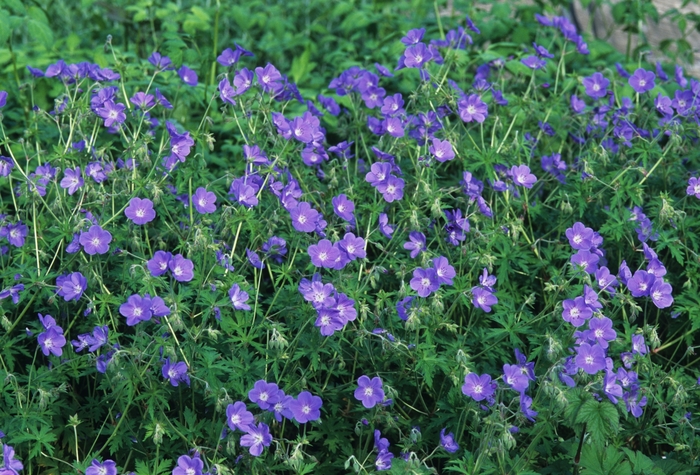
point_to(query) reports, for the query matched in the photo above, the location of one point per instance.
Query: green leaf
(641, 464)
(602, 419)
(5, 29)
(596, 461)
(40, 32)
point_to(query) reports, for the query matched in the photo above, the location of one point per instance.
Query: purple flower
(72, 180)
(386, 229)
(660, 293)
(416, 243)
(71, 286)
(275, 248)
(383, 461)
(162, 63)
(257, 438)
(112, 113)
(344, 208)
(176, 373)
(269, 78)
(96, 240)
(633, 403)
(483, 298)
(12, 292)
(596, 85)
(187, 465)
(693, 187)
(369, 392)
(639, 346)
(640, 284)
(514, 377)
(601, 331)
(443, 270)
(264, 394)
(610, 388)
(3, 98)
(304, 217)
(525, 407)
(533, 62)
(140, 211)
(323, 254)
(576, 311)
(254, 259)
(328, 321)
(12, 466)
(442, 150)
(448, 441)
(379, 174)
(188, 76)
(580, 236)
(424, 281)
(478, 387)
(353, 246)
(6, 166)
(204, 201)
(52, 341)
(306, 407)
(586, 260)
(642, 81)
(136, 309)
(99, 337)
(181, 268)
(413, 37)
(15, 233)
(589, 358)
(417, 55)
(577, 105)
(108, 467)
(238, 298)
(158, 265)
(142, 100)
(238, 417)
(522, 176)
(472, 108)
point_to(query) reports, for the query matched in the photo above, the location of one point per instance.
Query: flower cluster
(333, 309)
(428, 280)
(181, 269)
(483, 294)
(138, 309)
(51, 340)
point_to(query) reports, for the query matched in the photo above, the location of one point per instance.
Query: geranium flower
(71, 286)
(176, 373)
(369, 392)
(204, 201)
(96, 240)
(182, 269)
(478, 387)
(257, 438)
(238, 298)
(140, 211)
(306, 407)
(590, 358)
(642, 81)
(238, 417)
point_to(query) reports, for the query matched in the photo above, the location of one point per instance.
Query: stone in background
(598, 21)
